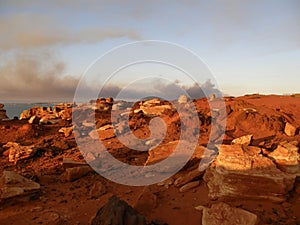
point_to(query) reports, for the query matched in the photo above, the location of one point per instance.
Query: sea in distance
(15, 109)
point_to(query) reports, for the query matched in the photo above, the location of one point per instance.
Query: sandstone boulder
(241, 172)
(14, 185)
(118, 212)
(290, 130)
(286, 157)
(224, 214)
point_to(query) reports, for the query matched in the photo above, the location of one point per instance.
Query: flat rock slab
(15, 185)
(224, 214)
(240, 172)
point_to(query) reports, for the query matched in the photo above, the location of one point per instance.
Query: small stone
(189, 186)
(34, 120)
(290, 130)
(67, 131)
(244, 140)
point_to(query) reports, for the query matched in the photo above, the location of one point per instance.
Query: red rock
(189, 186)
(224, 214)
(236, 173)
(290, 130)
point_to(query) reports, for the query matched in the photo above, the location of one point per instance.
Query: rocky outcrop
(18, 152)
(118, 212)
(222, 213)
(242, 172)
(45, 115)
(153, 107)
(14, 185)
(2, 112)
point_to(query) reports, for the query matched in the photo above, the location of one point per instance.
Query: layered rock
(290, 130)
(14, 185)
(153, 107)
(242, 172)
(45, 115)
(287, 158)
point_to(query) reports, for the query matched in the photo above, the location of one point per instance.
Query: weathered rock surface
(290, 130)
(286, 157)
(240, 172)
(117, 212)
(18, 152)
(224, 214)
(14, 185)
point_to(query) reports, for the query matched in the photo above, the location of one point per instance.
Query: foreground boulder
(224, 214)
(18, 152)
(241, 172)
(14, 185)
(117, 212)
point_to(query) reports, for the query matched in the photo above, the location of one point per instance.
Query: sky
(249, 46)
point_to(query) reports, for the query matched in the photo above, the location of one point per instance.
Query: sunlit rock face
(241, 171)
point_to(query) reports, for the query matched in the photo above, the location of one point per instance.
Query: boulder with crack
(241, 172)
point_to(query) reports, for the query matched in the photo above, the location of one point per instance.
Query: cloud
(34, 30)
(35, 77)
(40, 76)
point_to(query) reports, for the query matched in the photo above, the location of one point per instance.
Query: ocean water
(15, 109)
